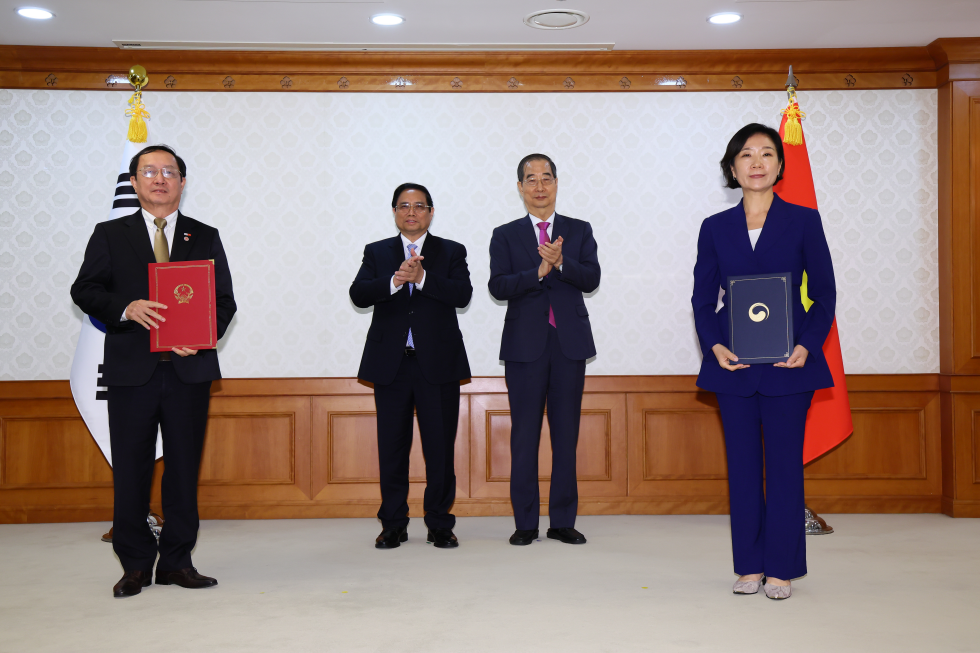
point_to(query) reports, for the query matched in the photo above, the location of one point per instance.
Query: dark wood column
(958, 62)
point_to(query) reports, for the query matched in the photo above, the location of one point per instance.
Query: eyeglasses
(531, 182)
(151, 173)
(418, 206)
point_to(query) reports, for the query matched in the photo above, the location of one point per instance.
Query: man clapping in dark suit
(540, 265)
(147, 391)
(414, 356)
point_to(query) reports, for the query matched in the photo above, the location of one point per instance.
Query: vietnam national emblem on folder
(760, 317)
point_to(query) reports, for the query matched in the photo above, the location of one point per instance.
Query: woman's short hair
(738, 142)
(410, 186)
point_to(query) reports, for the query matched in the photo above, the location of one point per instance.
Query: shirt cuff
(421, 282)
(124, 318)
(391, 285)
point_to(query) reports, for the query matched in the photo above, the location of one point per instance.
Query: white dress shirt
(418, 252)
(151, 229)
(754, 236)
(535, 221)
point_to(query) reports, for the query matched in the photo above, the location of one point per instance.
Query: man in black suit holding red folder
(414, 356)
(147, 391)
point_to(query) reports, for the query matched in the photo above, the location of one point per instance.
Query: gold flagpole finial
(793, 132)
(137, 110)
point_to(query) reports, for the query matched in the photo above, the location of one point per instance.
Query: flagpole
(813, 524)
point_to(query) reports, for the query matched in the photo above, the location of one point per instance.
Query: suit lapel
(739, 232)
(180, 249)
(397, 253)
(772, 230)
(560, 228)
(139, 237)
(525, 232)
(431, 249)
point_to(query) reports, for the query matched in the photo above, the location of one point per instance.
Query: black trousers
(180, 410)
(437, 406)
(558, 381)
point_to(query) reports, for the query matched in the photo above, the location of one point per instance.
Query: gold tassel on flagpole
(137, 110)
(793, 133)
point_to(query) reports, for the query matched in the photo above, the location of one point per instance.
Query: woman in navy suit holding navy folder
(764, 234)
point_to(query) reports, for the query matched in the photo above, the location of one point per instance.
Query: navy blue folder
(760, 317)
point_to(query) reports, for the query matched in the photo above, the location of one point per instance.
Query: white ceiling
(630, 24)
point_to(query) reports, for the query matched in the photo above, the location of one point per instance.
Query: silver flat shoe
(778, 592)
(747, 586)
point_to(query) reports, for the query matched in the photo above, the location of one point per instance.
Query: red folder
(187, 289)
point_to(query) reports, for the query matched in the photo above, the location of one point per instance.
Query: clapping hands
(410, 271)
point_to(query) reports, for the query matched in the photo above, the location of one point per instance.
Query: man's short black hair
(535, 157)
(410, 186)
(738, 142)
(135, 161)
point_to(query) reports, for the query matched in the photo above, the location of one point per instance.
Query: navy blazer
(792, 239)
(514, 262)
(429, 311)
(115, 272)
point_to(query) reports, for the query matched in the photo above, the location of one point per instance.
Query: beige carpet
(642, 583)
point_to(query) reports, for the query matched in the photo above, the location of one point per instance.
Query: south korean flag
(86, 368)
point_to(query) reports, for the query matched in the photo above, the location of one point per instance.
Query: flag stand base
(814, 523)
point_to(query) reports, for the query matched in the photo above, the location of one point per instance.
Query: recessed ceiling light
(556, 19)
(387, 20)
(726, 18)
(35, 12)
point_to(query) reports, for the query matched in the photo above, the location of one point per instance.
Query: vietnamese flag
(829, 421)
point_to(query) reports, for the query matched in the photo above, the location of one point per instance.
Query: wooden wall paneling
(51, 470)
(963, 498)
(601, 452)
(288, 448)
(344, 452)
(959, 228)
(677, 452)
(257, 450)
(893, 459)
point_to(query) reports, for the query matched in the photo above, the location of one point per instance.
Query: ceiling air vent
(556, 19)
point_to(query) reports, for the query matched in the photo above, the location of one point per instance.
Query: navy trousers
(180, 411)
(437, 406)
(766, 434)
(557, 381)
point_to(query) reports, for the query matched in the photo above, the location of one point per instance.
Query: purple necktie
(542, 239)
(411, 287)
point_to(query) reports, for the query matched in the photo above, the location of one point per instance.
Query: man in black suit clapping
(414, 356)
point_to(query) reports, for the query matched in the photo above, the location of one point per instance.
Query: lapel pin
(187, 237)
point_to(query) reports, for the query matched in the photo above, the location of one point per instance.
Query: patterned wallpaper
(298, 183)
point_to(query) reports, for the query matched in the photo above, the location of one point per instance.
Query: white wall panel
(298, 183)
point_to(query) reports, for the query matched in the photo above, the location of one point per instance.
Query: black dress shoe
(442, 538)
(188, 578)
(131, 584)
(391, 538)
(523, 538)
(566, 535)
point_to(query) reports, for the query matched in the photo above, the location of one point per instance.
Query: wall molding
(493, 72)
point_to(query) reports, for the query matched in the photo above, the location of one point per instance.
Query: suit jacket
(514, 262)
(792, 239)
(115, 273)
(429, 311)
